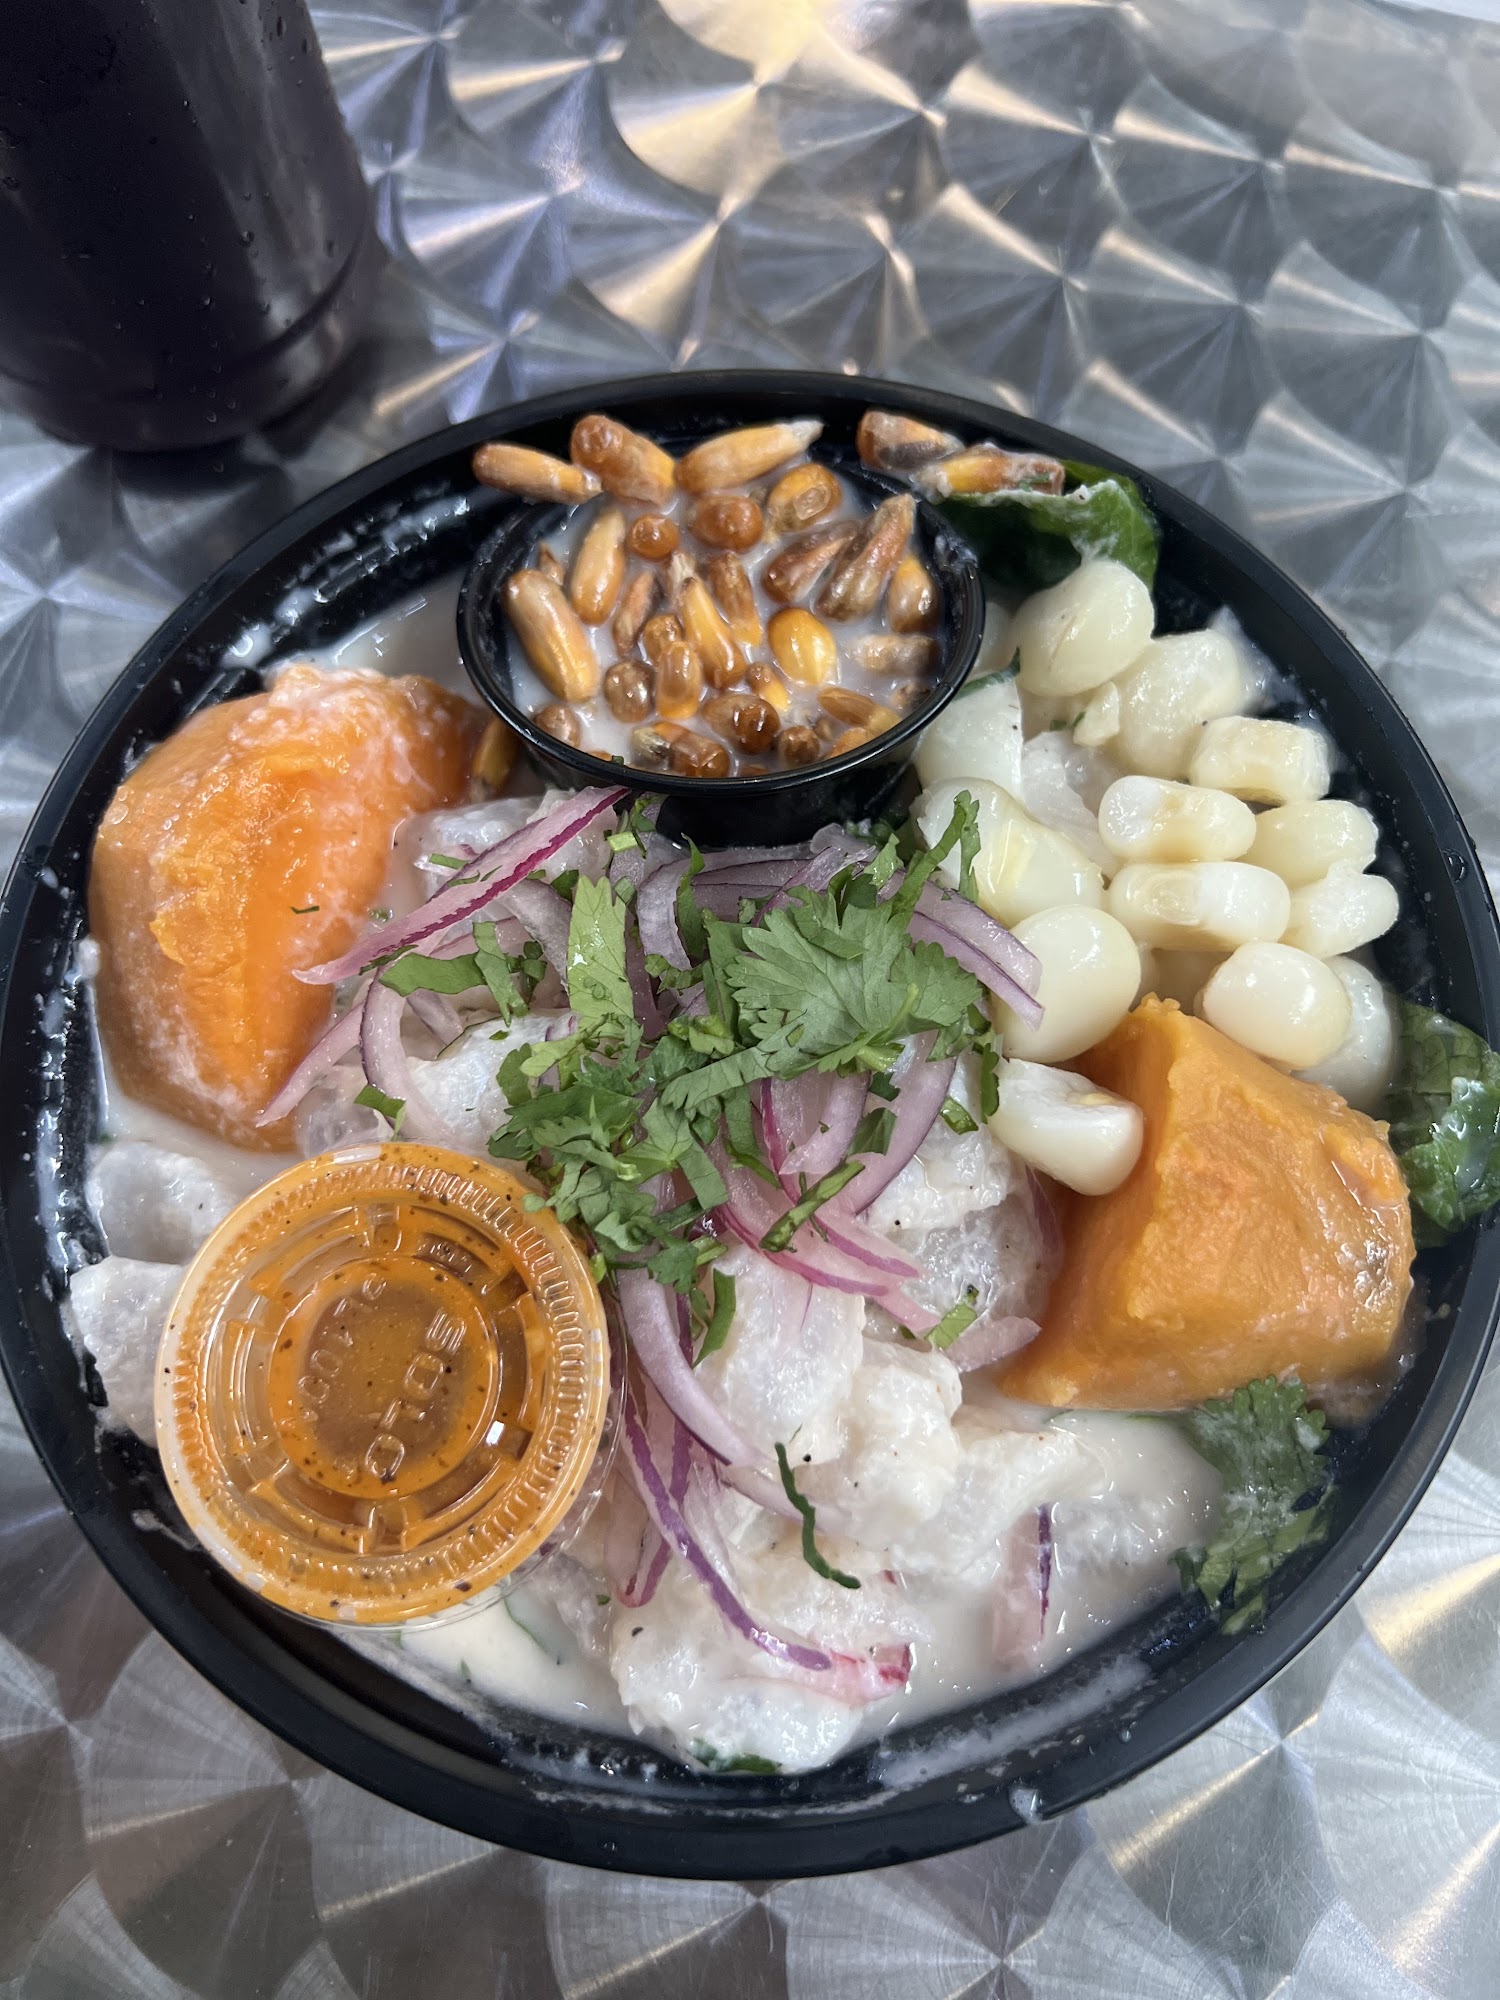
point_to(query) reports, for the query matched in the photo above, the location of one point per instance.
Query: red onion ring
(651, 1325)
(335, 1042)
(386, 1067)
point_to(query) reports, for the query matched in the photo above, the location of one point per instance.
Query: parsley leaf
(1268, 1447)
(810, 1554)
(414, 973)
(956, 1320)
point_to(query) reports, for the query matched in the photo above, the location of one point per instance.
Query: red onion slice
(667, 1514)
(544, 915)
(922, 1087)
(436, 1012)
(509, 861)
(386, 1067)
(651, 1324)
(330, 1048)
(656, 914)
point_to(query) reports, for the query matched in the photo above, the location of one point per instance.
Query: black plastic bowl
(782, 806)
(553, 1788)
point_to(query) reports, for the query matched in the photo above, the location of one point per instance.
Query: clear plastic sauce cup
(383, 1384)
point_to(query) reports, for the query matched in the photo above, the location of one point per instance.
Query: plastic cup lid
(382, 1384)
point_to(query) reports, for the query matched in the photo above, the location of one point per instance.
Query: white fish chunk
(900, 1455)
(460, 1083)
(117, 1309)
(153, 1205)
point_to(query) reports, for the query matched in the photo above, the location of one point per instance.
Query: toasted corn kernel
(550, 563)
(985, 468)
(723, 662)
(599, 567)
(856, 710)
(728, 579)
(739, 456)
(762, 678)
(653, 537)
(535, 475)
(800, 497)
(560, 721)
(657, 634)
(803, 647)
(637, 602)
(851, 739)
(494, 755)
(693, 756)
(622, 461)
(896, 653)
(797, 565)
(911, 604)
(799, 745)
(742, 719)
(727, 521)
(859, 576)
(552, 635)
(893, 443)
(630, 690)
(679, 682)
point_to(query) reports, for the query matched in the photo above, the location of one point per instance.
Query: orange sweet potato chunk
(253, 842)
(1264, 1231)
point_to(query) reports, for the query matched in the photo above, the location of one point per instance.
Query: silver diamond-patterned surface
(1254, 244)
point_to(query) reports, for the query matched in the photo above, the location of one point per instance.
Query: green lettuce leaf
(1445, 1121)
(1029, 540)
(1268, 1447)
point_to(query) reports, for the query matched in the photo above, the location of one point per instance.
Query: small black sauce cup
(771, 808)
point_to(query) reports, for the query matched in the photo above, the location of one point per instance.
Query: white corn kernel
(1067, 1127)
(1156, 819)
(1341, 912)
(978, 735)
(1084, 630)
(1272, 763)
(1176, 685)
(1021, 867)
(1100, 721)
(1302, 842)
(1199, 905)
(1090, 970)
(1279, 1003)
(1182, 975)
(1361, 1067)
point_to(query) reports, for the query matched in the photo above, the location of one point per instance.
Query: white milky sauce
(960, 1572)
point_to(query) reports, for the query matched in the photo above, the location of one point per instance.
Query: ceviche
(751, 1298)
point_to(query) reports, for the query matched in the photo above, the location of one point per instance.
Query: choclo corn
(1084, 630)
(1271, 763)
(1302, 842)
(1361, 1067)
(1090, 973)
(1022, 866)
(1199, 904)
(1339, 913)
(1278, 1002)
(1100, 721)
(1067, 1127)
(1175, 685)
(551, 635)
(1156, 819)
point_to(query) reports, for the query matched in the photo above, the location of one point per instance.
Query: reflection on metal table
(1255, 245)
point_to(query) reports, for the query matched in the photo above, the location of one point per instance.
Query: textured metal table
(1252, 243)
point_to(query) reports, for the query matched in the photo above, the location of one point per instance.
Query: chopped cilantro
(716, 1332)
(1268, 1447)
(873, 1133)
(412, 973)
(445, 861)
(598, 985)
(393, 1108)
(623, 841)
(956, 1320)
(306, 910)
(715, 1760)
(780, 1234)
(805, 1508)
(957, 1118)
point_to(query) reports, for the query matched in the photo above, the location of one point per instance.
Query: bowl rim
(244, 1654)
(518, 524)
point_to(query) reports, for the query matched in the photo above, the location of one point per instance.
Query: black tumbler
(186, 242)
